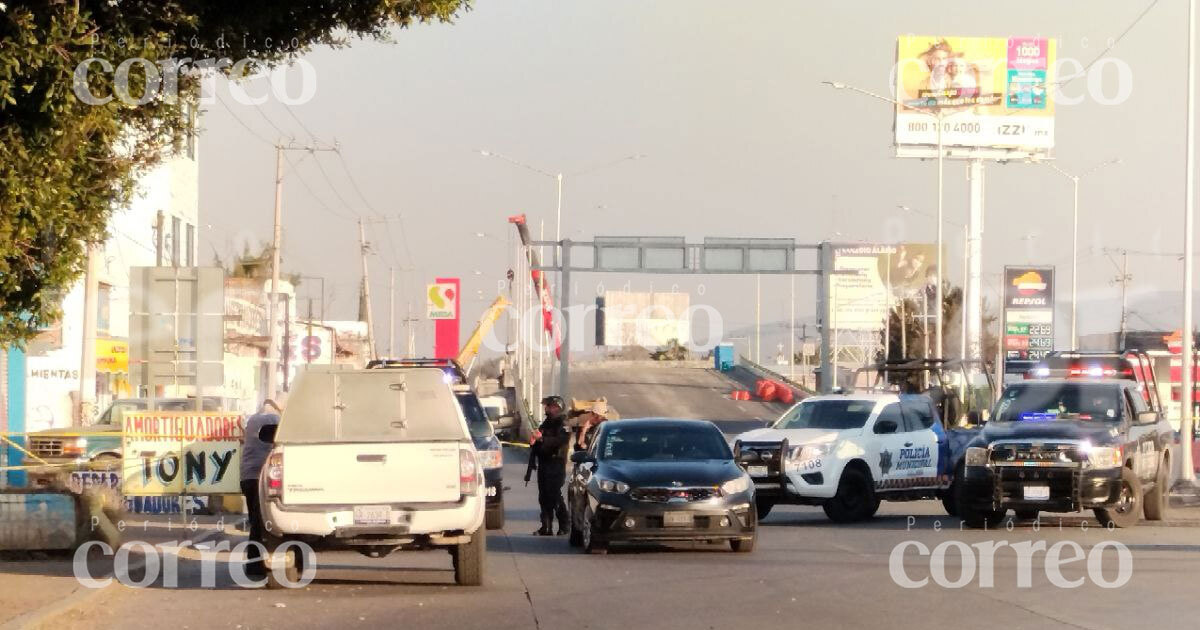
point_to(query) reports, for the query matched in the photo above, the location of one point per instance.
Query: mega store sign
(1028, 312)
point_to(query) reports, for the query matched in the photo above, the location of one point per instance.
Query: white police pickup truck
(846, 453)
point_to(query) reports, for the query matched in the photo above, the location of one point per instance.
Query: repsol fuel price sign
(1028, 312)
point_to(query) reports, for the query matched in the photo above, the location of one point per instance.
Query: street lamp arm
(931, 112)
(604, 165)
(515, 162)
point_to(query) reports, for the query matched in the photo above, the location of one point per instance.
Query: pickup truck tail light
(275, 475)
(469, 475)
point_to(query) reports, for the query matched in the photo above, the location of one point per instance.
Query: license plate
(1037, 493)
(677, 519)
(372, 515)
(757, 471)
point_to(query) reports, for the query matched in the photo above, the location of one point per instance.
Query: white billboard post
(998, 92)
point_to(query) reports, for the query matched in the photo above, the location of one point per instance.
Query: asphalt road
(673, 392)
(805, 572)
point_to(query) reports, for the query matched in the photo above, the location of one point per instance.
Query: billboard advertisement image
(993, 92)
(861, 299)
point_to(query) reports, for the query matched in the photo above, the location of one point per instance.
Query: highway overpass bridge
(689, 389)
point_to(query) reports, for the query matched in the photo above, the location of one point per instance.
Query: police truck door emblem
(885, 462)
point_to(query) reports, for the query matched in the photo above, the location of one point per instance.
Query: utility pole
(412, 337)
(758, 319)
(1123, 279)
(276, 247)
(87, 366)
(1187, 387)
(792, 329)
(392, 313)
(304, 350)
(273, 294)
(366, 289)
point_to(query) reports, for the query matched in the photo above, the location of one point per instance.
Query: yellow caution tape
(20, 448)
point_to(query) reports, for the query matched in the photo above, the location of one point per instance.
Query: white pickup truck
(845, 453)
(374, 461)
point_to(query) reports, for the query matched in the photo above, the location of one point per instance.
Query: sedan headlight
(809, 451)
(1103, 457)
(735, 486)
(491, 458)
(977, 456)
(608, 485)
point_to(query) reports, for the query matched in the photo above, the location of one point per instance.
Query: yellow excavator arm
(466, 356)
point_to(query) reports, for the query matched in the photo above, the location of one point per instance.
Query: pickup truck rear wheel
(1156, 500)
(468, 560)
(855, 499)
(1129, 510)
(294, 560)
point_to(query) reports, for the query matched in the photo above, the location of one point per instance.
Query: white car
(846, 453)
(374, 461)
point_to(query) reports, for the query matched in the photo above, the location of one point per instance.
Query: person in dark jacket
(254, 456)
(548, 452)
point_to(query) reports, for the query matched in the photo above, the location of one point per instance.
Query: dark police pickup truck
(1061, 445)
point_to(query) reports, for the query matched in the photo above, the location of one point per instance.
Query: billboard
(644, 320)
(861, 299)
(1028, 312)
(993, 92)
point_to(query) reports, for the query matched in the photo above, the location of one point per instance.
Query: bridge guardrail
(768, 373)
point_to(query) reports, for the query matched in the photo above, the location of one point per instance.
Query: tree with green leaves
(67, 164)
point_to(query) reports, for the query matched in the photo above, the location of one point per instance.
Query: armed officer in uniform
(548, 454)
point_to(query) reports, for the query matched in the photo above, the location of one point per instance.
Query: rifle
(532, 465)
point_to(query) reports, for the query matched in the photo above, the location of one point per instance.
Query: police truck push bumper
(1044, 489)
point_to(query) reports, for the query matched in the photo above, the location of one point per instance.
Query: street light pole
(1187, 395)
(939, 117)
(1075, 263)
(1075, 239)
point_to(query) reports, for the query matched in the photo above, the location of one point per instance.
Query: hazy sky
(741, 139)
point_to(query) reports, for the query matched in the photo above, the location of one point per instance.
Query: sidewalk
(36, 585)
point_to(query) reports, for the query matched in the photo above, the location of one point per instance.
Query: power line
(333, 188)
(298, 121)
(353, 183)
(242, 122)
(313, 194)
(280, 131)
(1062, 82)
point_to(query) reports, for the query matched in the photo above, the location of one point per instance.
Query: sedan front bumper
(624, 519)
